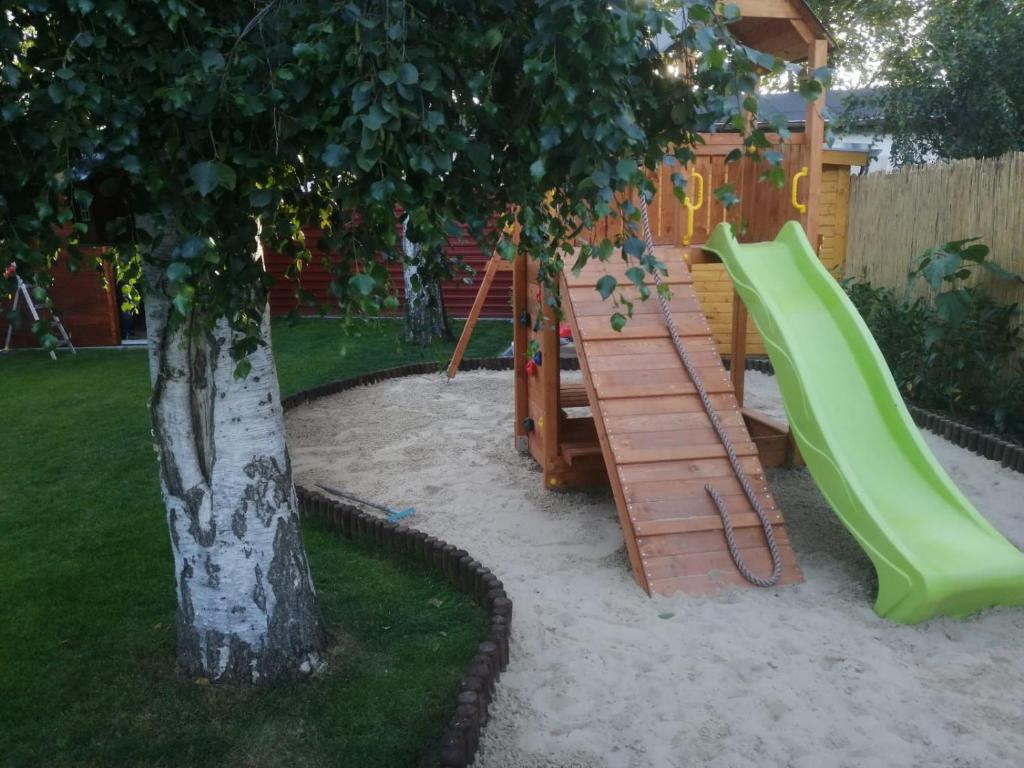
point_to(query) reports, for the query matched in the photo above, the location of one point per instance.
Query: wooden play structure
(635, 420)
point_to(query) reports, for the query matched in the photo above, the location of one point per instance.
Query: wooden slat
(660, 490)
(664, 345)
(711, 540)
(758, 559)
(574, 395)
(605, 307)
(724, 401)
(691, 437)
(698, 505)
(622, 384)
(654, 362)
(693, 469)
(628, 452)
(668, 422)
(687, 525)
(644, 327)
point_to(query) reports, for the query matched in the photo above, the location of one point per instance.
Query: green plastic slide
(933, 552)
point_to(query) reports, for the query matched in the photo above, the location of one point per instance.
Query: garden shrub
(957, 349)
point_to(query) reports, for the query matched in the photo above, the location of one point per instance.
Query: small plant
(946, 268)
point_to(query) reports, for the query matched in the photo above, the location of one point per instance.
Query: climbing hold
(540, 296)
(531, 368)
(537, 358)
(524, 318)
(564, 331)
(540, 422)
(528, 425)
(552, 481)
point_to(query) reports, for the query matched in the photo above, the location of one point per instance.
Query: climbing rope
(748, 489)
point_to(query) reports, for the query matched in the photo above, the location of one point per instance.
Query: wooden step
(573, 395)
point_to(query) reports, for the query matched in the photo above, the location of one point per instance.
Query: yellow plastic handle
(692, 207)
(802, 208)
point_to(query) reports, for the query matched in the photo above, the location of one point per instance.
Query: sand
(602, 676)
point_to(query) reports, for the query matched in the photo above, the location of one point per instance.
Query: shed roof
(858, 106)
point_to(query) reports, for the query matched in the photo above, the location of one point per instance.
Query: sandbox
(601, 675)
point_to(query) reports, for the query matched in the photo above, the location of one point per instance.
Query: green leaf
(408, 74)
(634, 247)
(606, 286)
(374, 119)
(212, 59)
(618, 321)
(726, 196)
(335, 155)
(636, 275)
(178, 271)
(999, 273)
(811, 90)
(976, 253)
(952, 306)
(210, 175)
(183, 303)
(260, 198)
(362, 284)
(940, 268)
(131, 164)
(387, 76)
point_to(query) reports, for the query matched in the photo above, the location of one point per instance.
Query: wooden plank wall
(458, 294)
(86, 306)
(715, 289)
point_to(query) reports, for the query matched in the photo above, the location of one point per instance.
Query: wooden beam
(738, 355)
(767, 9)
(520, 333)
(846, 157)
(814, 130)
(550, 376)
(474, 315)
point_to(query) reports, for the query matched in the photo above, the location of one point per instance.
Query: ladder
(21, 293)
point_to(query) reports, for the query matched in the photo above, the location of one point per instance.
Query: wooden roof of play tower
(783, 28)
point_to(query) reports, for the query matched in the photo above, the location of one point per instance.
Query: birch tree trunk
(425, 318)
(247, 609)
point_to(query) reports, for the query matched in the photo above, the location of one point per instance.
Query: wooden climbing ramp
(658, 444)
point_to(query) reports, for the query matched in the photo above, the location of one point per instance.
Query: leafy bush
(955, 350)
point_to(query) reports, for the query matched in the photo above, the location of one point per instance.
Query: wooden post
(551, 377)
(738, 358)
(520, 337)
(817, 56)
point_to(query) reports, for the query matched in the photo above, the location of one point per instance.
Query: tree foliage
(215, 119)
(956, 85)
(864, 31)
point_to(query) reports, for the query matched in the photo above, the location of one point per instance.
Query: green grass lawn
(87, 594)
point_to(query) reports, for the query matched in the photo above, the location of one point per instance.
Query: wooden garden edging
(993, 447)
(476, 689)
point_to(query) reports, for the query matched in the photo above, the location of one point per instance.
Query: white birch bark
(425, 320)
(247, 609)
